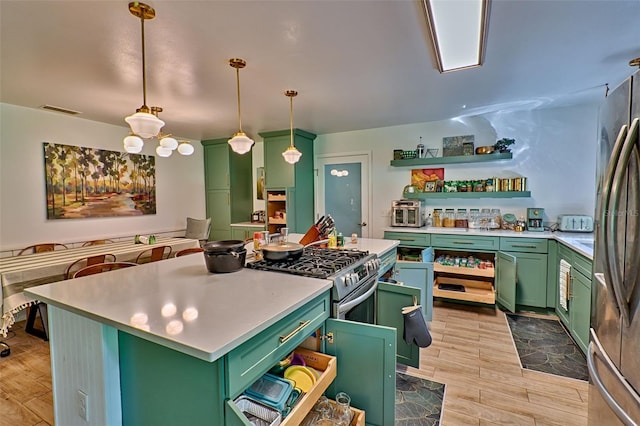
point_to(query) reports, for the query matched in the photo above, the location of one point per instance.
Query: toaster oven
(409, 213)
(575, 223)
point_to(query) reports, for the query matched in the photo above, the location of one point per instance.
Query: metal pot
(225, 262)
(223, 246)
(287, 251)
(282, 252)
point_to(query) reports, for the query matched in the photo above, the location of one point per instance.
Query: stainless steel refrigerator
(614, 347)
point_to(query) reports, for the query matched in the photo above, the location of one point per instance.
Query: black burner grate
(315, 262)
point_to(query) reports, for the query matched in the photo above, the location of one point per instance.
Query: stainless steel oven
(360, 305)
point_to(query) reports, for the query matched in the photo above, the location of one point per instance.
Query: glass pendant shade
(133, 144)
(185, 148)
(162, 151)
(144, 124)
(169, 142)
(241, 143)
(292, 155)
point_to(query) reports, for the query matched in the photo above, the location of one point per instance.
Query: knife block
(313, 234)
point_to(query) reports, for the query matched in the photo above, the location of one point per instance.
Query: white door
(342, 191)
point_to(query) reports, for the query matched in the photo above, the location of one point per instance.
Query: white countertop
(249, 224)
(177, 303)
(372, 245)
(581, 242)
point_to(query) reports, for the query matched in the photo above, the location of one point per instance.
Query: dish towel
(565, 273)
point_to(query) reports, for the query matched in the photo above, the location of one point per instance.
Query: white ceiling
(356, 64)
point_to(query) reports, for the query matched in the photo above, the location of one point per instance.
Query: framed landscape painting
(87, 182)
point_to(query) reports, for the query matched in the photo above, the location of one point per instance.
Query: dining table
(20, 272)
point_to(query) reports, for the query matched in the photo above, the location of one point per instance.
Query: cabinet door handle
(524, 246)
(569, 282)
(302, 325)
(463, 242)
(405, 239)
(227, 199)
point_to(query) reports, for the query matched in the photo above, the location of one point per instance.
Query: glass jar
(342, 411)
(496, 219)
(474, 218)
(437, 218)
(462, 219)
(449, 220)
(485, 219)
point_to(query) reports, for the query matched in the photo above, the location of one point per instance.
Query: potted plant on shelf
(502, 145)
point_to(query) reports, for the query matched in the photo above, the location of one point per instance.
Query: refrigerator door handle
(618, 178)
(595, 349)
(604, 214)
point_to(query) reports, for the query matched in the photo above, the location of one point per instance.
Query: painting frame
(83, 182)
(430, 186)
(453, 146)
(260, 183)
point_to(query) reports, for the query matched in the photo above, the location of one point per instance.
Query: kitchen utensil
(485, 150)
(225, 262)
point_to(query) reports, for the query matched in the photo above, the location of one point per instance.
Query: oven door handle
(352, 303)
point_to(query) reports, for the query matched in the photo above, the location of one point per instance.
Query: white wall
(555, 149)
(23, 219)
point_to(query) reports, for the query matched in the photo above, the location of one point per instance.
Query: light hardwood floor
(472, 354)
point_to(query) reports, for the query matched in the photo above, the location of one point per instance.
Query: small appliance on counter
(408, 213)
(575, 223)
(534, 219)
(258, 216)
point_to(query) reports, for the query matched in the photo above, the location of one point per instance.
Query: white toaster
(575, 223)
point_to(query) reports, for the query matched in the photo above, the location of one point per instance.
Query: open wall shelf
(444, 195)
(451, 160)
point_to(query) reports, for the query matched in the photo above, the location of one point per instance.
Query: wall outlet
(83, 405)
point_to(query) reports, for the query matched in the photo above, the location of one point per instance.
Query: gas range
(348, 269)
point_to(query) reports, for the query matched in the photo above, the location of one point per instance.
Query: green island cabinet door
(580, 309)
(366, 361)
(391, 299)
(505, 281)
(192, 394)
(419, 275)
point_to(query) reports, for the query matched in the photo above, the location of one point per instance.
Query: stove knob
(353, 278)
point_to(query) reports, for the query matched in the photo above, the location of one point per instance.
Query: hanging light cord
(291, 120)
(238, 86)
(144, 107)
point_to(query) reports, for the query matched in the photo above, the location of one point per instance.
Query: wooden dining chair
(88, 261)
(102, 267)
(96, 242)
(189, 251)
(41, 248)
(154, 254)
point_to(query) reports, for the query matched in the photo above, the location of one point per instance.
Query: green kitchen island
(168, 343)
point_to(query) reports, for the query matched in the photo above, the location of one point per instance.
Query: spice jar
(437, 218)
(462, 220)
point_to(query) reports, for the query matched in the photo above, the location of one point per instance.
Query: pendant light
(240, 142)
(291, 155)
(144, 124)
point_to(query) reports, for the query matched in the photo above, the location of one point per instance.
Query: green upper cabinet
(228, 186)
(296, 179)
(280, 174)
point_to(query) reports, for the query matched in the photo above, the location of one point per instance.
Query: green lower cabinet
(419, 275)
(505, 280)
(244, 232)
(580, 309)
(366, 361)
(531, 279)
(155, 392)
(391, 299)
